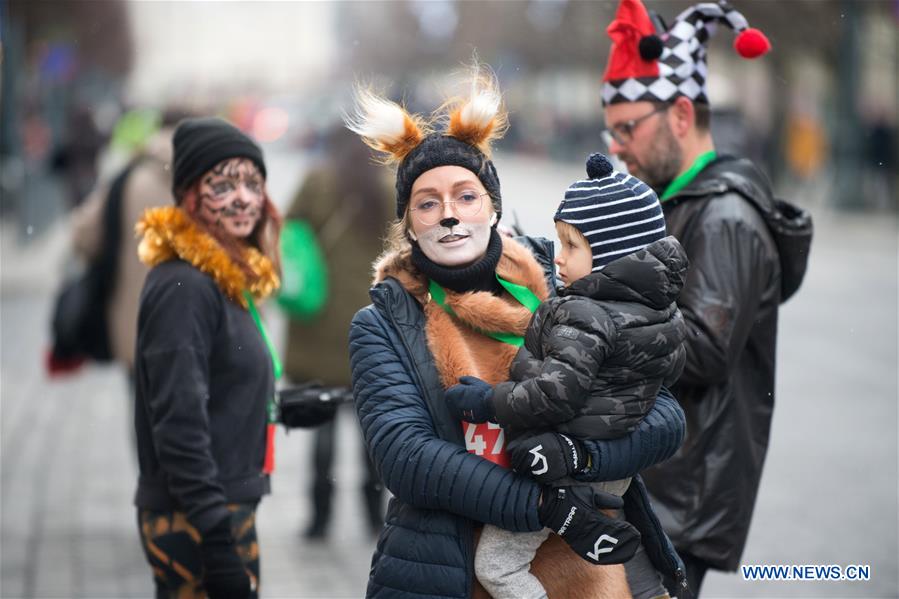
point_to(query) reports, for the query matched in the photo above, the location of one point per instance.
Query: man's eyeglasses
(623, 133)
(429, 210)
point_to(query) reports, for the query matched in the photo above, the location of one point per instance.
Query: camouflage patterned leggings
(172, 547)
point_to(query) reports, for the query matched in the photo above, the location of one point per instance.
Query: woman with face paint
(204, 367)
(453, 298)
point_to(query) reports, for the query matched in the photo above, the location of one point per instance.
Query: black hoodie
(203, 377)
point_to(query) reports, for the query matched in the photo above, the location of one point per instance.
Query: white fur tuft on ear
(480, 118)
(384, 125)
(484, 102)
(493, 219)
(377, 118)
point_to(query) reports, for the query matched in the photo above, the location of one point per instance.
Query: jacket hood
(730, 173)
(653, 276)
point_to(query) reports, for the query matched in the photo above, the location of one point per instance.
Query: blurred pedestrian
(204, 366)
(76, 157)
(592, 363)
(148, 184)
(721, 210)
(346, 203)
(806, 145)
(451, 299)
(879, 172)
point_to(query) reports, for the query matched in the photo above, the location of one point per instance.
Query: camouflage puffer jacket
(595, 357)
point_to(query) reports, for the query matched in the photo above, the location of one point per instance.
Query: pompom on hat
(616, 213)
(658, 66)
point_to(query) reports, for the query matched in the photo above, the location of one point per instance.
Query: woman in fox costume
(451, 298)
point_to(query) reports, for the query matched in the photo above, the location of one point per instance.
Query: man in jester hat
(743, 264)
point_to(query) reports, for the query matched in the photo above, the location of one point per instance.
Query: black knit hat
(439, 149)
(201, 143)
(617, 213)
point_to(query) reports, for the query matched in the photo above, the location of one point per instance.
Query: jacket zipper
(679, 574)
(466, 527)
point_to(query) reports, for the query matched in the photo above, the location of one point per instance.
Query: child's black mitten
(547, 457)
(573, 514)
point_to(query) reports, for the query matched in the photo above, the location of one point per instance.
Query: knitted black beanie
(201, 143)
(439, 149)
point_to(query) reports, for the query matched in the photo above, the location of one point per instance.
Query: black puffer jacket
(440, 490)
(595, 357)
(705, 495)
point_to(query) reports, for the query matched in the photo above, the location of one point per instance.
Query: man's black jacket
(705, 494)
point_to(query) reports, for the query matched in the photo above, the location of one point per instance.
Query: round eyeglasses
(623, 133)
(429, 210)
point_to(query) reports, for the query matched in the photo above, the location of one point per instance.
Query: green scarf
(684, 179)
(522, 295)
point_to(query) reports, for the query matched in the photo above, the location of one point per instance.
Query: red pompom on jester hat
(751, 43)
(650, 65)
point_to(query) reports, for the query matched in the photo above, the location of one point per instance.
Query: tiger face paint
(231, 196)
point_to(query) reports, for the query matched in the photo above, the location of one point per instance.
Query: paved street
(829, 494)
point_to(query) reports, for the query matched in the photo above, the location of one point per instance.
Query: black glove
(224, 574)
(573, 514)
(471, 400)
(547, 457)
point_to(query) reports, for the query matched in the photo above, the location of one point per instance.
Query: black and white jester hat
(646, 64)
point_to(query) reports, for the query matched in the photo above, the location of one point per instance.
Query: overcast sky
(197, 49)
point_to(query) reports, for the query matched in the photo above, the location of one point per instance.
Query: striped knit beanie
(618, 214)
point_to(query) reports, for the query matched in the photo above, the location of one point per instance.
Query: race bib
(487, 440)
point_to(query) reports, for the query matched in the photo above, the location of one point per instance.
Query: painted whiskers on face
(459, 238)
(232, 195)
(455, 245)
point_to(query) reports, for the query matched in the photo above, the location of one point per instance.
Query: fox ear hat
(385, 126)
(459, 134)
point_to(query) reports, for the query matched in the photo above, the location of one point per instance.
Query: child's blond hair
(567, 232)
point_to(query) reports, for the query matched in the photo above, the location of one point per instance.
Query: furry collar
(458, 350)
(516, 265)
(169, 233)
